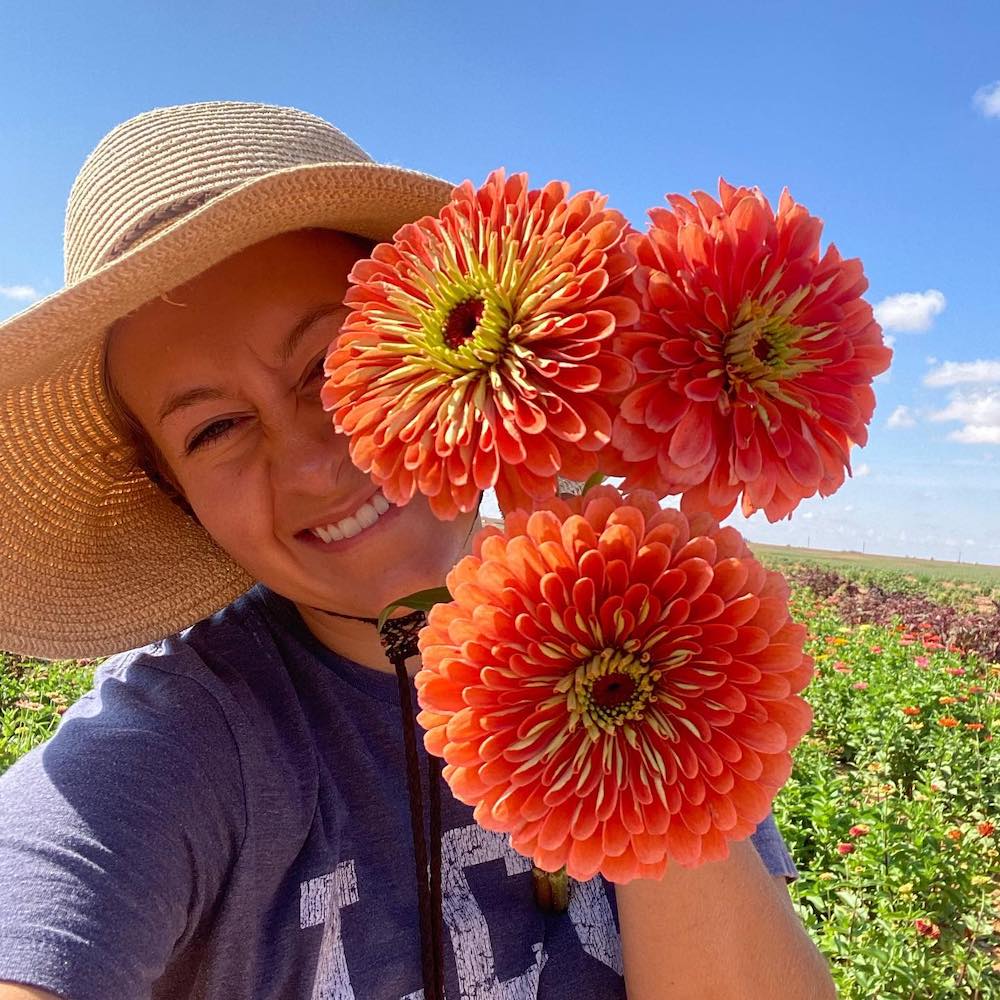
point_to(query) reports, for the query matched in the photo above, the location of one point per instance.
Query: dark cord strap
(399, 639)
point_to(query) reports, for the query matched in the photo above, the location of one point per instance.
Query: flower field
(892, 811)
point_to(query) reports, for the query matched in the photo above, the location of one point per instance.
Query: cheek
(234, 515)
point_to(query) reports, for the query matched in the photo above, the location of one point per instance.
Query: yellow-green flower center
(609, 689)
(462, 322)
(762, 344)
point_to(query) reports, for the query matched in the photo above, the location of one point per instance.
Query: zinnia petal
(479, 351)
(642, 707)
(760, 383)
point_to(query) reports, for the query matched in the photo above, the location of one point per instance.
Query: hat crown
(152, 169)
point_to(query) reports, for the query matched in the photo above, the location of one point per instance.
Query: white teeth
(364, 517)
(350, 527)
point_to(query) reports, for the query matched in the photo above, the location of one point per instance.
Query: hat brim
(96, 559)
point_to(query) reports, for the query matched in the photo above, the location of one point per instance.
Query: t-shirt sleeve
(116, 834)
(772, 849)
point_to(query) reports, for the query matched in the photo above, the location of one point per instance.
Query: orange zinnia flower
(614, 684)
(927, 928)
(910, 710)
(754, 357)
(947, 721)
(479, 350)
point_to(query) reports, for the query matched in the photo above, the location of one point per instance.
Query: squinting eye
(210, 434)
(317, 371)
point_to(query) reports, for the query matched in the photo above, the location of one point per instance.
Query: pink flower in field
(845, 848)
(876, 649)
(955, 671)
(859, 831)
(906, 642)
(922, 661)
(841, 667)
(930, 644)
(927, 928)
(860, 685)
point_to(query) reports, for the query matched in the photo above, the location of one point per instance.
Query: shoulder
(155, 714)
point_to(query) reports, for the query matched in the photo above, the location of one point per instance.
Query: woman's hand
(726, 930)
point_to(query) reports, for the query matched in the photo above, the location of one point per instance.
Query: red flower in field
(922, 662)
(974, 725)
(947, 721)
(985, 829)
(927, 928)
(846, 848)
(955, 671)
(614, 684)
(911, 710)
(954, 833)
(947, 699)
(754, 356)
(478, 353)
(860, 685)
(841, 667)
(876, 649)
(975, 689)
(859, 831)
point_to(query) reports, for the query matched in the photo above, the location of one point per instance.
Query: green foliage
(422, 600)
(922, 790)
(33, 696)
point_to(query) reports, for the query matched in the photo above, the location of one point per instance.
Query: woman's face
(224, 373)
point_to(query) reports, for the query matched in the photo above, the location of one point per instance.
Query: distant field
(977, 573)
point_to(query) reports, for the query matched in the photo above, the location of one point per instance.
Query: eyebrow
(287, 348)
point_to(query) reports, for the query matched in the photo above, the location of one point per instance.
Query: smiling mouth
(353, 524)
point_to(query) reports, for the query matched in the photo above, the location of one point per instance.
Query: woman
(225, 814)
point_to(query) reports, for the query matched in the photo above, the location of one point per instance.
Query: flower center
(609, 689)
(462, 322)
(763, 344)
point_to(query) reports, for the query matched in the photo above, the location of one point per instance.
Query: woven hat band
(160, 165)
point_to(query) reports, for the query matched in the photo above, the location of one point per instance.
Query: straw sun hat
(94, 558)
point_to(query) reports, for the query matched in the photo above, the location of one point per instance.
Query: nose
(307, 455)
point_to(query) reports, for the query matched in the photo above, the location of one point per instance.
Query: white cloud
(910, 312)
(19, 293)
(982, 372)
(976, 434)
(978, 410)
(890, 340)
(987, 100)
(864, 469)
(902, 416)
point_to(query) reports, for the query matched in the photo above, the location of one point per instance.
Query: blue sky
(882, 118)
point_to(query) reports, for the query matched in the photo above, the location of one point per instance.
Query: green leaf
(423, 600)
(595, 480)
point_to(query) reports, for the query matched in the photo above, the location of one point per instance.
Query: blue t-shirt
(224, 816)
